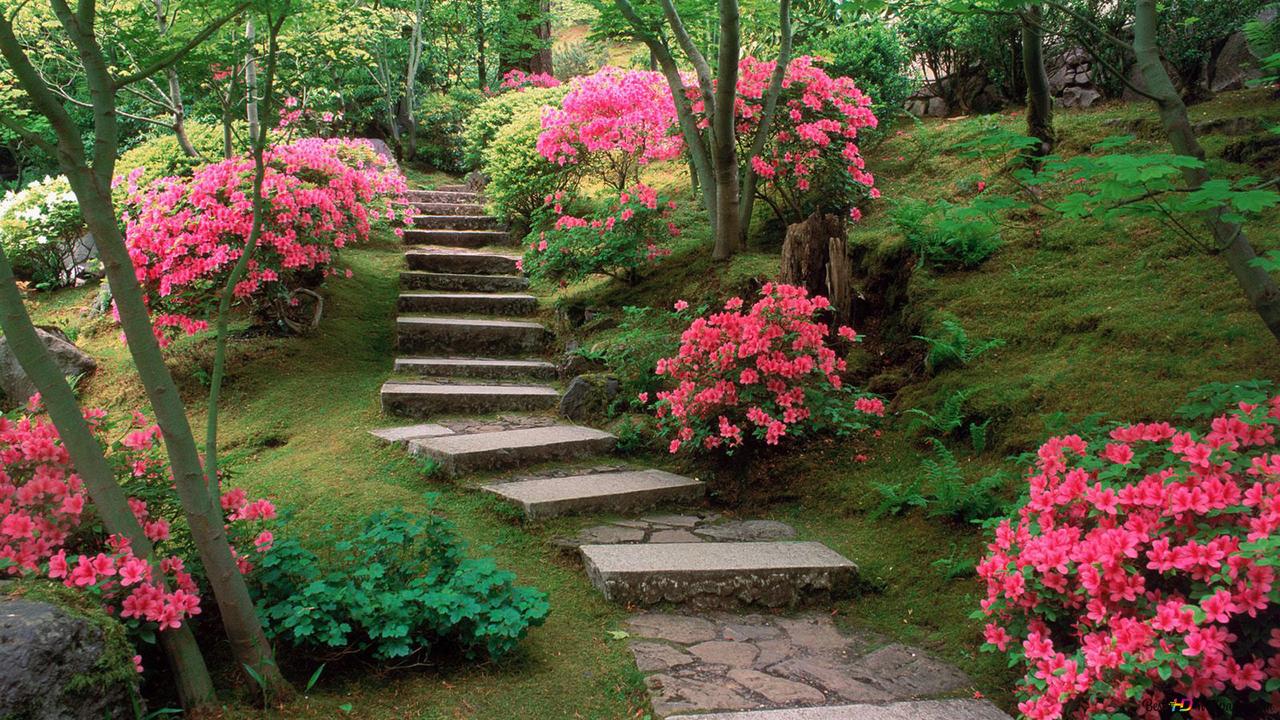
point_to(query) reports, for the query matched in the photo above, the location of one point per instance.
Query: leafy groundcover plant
(1141, 569)
(759, 375)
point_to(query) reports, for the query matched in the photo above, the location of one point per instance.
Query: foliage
(579, 58)
(441, 118)
(644, 336)
(40, 228)
(490, 116)
(759, 375)
(399, 587)
(875, 55)
(954, 347)
(941, 488)
(1189, 30)
(613, 122)
(1208, 400)
(1141, 568)
(185, 235)
(951, 44)
(520, 179)
(945, 235)
(47, 526)
(616, 241)
(160, 155)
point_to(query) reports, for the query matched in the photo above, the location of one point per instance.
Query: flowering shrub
(1141, 569)
(810, 160)
(615, 121)
(161, 155)
(40, 228)
(759, 374)
(520, 80)
(46, 523)
(185, 235)
(520, 179)
(492, 115)
(616, 241)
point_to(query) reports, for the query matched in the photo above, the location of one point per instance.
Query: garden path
(486, 397)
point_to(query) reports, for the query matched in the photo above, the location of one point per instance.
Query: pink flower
(681, 305)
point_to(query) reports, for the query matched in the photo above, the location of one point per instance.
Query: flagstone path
(472, 371)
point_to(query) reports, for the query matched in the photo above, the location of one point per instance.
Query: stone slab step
(457, 261)
(444, 196)
(454, 188)
(610, 491)
(773, 574)
(476, 367)
(457, 222)
(509, 448)
(428, 399)
(403, 434)
(473, 303)
(454, 336)
(461, 282)
(951, 709)
(437, 209)
(457, 238)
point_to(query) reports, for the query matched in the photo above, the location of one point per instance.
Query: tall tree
(90, 173)
(1039, 95)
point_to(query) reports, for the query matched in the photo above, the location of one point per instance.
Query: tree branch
(178, 54)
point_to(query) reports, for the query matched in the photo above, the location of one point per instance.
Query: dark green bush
(875, 56)
(441, 117)
(401, 586)
(946, 235)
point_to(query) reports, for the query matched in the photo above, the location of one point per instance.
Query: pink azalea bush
(48, 528)
(614, 120)
(520, 80)
(185, 234)
(1141, 569)
(759, 375)
(616, 241)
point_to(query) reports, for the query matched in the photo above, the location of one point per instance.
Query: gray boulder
(16, 387)
(589, 396)
(1234, 66)
(1079, 96)
(59, 665)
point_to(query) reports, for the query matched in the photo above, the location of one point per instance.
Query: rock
(749, 629)
(724, 652)
(1058, 79)
(683, 629)
(775, 689)
(811, 672)
(906, 672)
(61, 666)
(672, 694)
(383, 150)
(1079, 97)
(937, 107)
(610, 534)
(817, 634)
(917, 106)
(1234, 66)
(673, 536)
(681, 521)
(476, 181)
(1229, 126)
(589, 396)
(15, 384)
(747, 531)
(658, 657)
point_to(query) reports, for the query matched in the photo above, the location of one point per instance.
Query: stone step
(454, 188)
(772, 574)
(476, 367)
(437, 209)
(950, 709)
(457, 222)
(444, 196)
(509, 448)
(457, 261)
(457, 238)
(402, 434)
(452, 336)
(472, 303)
(420, 399)
(461, 282)
(609, 491)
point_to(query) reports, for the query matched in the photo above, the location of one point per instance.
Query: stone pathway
(472, 371)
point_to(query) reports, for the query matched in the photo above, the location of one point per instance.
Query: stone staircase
(472, 368)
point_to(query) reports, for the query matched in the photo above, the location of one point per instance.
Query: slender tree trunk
(478, 20)
(178, 110)
(195, 688)
(725, 150)
(766, 120)
(1039, 96)
(1258, 285)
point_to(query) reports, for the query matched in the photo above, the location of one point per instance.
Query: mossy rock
(589, 396)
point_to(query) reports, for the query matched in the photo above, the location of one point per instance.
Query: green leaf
(617, 634)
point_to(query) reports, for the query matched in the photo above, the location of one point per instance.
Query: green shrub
(579, 58)
(441, 117)
(946, 235)
(520, 179)
(400, 587)
(40, 227)
(490, 116)
(954, 347)
(876, 57)
(161, 156)
(644, 336)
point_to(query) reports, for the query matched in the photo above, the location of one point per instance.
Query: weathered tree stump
(815, 256)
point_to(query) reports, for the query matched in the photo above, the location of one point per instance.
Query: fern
(954, 346)
(895, 498)
(949, 418)
(950, 496)
(978, 435)
(956, 565)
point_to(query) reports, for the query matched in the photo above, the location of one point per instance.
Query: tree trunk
(1258, 285)
(478, 19)
(840, 275)
(195, 688)
(806, 252)
(175, 91)
(1039, 96)
(724, 144)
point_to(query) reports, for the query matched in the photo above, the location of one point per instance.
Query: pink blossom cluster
(519, 80)
(1142, 569)
(186, 234)
(47, 525)
(627, 115)
(756, 373)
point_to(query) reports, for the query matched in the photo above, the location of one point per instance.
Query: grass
(1121, 320)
